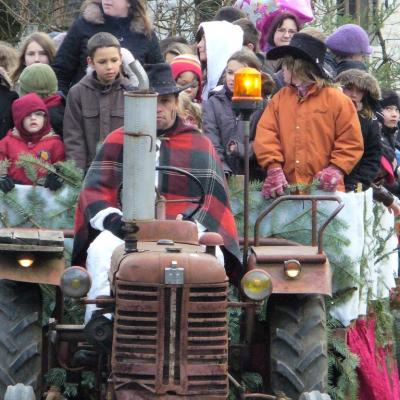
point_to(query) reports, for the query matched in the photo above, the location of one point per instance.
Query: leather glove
(329, 178)
(113, 223)
(53, 181)
(274, 184)
(382, 195)
(6, 183)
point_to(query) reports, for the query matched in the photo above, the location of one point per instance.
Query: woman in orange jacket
(310, 129)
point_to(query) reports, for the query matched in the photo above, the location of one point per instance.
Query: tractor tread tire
(20, 335)
(298, 344)
(20, 392)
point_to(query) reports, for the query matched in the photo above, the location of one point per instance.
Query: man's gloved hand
(113, 223)
(6, 183)
(53, 181)
(274, 184)
(329, 178)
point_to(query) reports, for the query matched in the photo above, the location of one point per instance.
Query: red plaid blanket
(184, 147)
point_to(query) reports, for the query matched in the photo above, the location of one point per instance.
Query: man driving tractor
(98, 222)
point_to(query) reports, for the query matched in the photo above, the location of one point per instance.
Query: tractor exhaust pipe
(139, 157)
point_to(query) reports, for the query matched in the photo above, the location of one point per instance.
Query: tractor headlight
(257, 284)
(292, 269)
(25, 260)
(75, 282)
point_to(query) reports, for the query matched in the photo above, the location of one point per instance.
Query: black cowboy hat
(305, 47)
(161, 79)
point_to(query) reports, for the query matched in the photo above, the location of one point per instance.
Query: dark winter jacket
(92, 112)
(7, 96)
(70, 62)
(389, 141)
(367, 168)
(222, 126)
(56, 106)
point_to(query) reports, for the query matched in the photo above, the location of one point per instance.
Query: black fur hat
(389, 98)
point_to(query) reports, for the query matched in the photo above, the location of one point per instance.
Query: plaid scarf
(184, 147)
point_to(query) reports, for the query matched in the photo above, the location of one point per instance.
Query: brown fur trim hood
(362, 80)
(92, 13)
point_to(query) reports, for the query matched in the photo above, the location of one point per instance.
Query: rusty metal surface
(142, 395)
(313, 279)
(304, 254)
(170, 342)
(46, 269)
(271, 242)
(211, 239)
(148, 266)
(178, 231)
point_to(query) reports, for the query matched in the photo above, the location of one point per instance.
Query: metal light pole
(246, 99)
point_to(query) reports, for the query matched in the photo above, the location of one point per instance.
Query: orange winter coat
(305, 135)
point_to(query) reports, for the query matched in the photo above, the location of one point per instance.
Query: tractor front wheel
(297, 344)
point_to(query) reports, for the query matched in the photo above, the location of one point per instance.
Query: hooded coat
(70, 62)
(222, 40)
(367, 168)
(44, 144)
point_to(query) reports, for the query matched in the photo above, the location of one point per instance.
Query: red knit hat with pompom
(184, 63)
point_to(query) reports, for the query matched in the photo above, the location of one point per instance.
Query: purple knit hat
(349, 39)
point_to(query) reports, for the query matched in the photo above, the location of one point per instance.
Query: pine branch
(64, 170)
(11, 200)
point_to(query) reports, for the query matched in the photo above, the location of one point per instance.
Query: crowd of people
(325, 118)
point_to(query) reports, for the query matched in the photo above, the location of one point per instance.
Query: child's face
(106, 62)
(391, 116)
(34, 122)
(189, 77)
(355, 95)
(35, 53)
(201, 48)
(231, 68)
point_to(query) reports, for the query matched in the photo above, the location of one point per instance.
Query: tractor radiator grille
(171, 339)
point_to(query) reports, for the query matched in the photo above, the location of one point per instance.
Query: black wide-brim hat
(161, 79)
(305, 47)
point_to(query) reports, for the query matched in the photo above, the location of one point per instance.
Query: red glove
(274, 183)
(329, 178)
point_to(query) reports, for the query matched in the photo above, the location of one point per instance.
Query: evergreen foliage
(342, 364)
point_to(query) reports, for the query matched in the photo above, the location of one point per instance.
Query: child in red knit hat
(186, 70)
(32, 134)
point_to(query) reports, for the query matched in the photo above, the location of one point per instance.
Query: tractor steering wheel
(199, 200)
